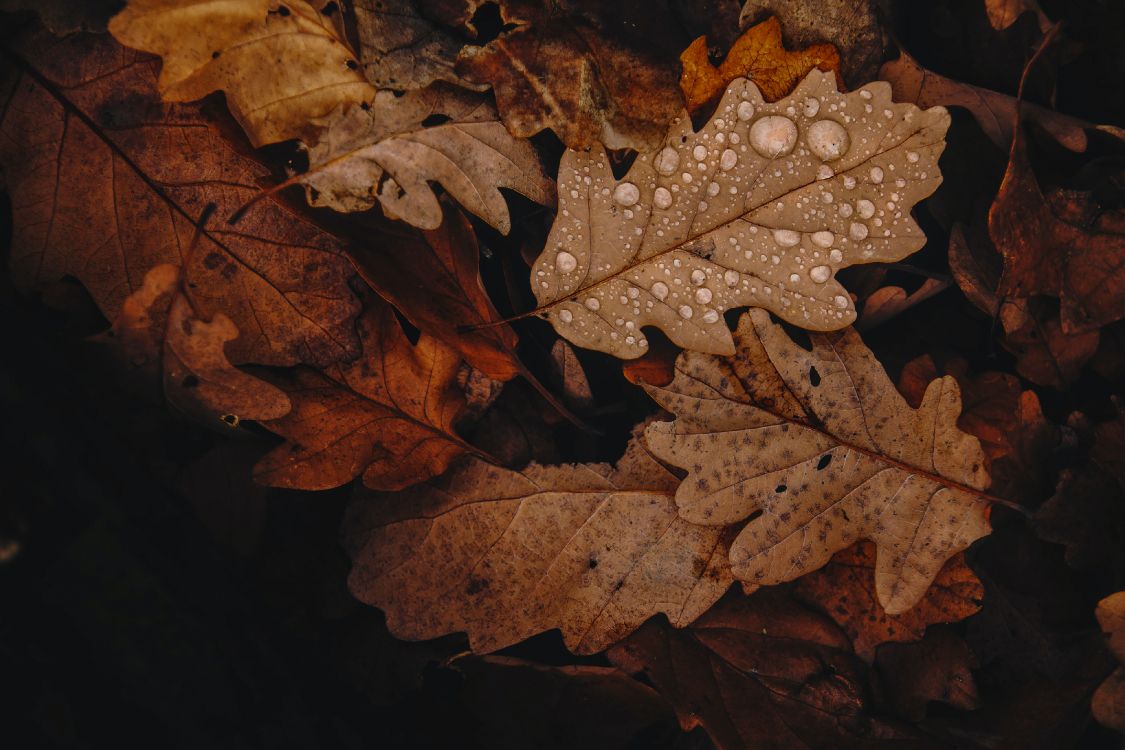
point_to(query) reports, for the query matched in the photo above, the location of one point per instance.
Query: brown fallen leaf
(844, 589)
(224, 496)
(389, 415)
(1003, 13)
(758, 55)
(556, 70)
(656, 367)
(107, 183)
(993, 111)
(1108, 703)
(851, 26)
(938, 668)
(889, 301)
(760, 672)
(571, 377)
(761, 207)
(1045, 253)
(280, 64)
(66, 16)
(389, 152)
(610, 551)
(825, 450)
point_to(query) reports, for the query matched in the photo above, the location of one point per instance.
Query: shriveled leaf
(107, 183)
(1046, 252)
(760, 672)
(823, 446)
(557, 70)
(852, 26)
(758, 55)
(433, 278)
(993, 111)
(401, 49)
(844, 589)
(939, 668)
(889, 301)
(280, 64)
(1003, 13)
(761, 207)
(387, 154)
(388, 416)
(1108, 703)
(198, 377)
(589, 549)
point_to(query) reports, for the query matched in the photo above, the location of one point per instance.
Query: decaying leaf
(825, 449)
(844, 589)
(1046, 252)
(107, 183)
(888, 301)
(760, 672)
(388, 153)
(556, 70)
(993, 111)
(761, 207)
(401, 49)
(1108, 703)
(758, 55)
(938, 668)
(388, 416)
(280, 64)
(589, 549)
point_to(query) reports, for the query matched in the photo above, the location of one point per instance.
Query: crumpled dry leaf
(107, 182)
(844, 589)
(280, 64)
(1045, 252)
(1108, 703)
(760, 672)
(401, 49)
(609, 552)
(993, 111)
(557, 70)
(826, 449)
(761, 207)
(388, 153)
(888, 301)
(758, 55)
(389, 415)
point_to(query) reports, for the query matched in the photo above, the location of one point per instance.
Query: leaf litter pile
(509, 374)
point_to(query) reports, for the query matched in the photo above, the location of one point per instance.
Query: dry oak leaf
(386, 153)
(938, 668)
(844, 589)
(761, 207)
(761, 673)
(590, 549)
(822, 446)
(1045, 252)
(107, 183)
(1108, 703)
(886, 302)
(388, 415)
(281, 64)
(758, 55)
(557, 70)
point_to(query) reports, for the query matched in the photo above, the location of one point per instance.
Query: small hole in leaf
(352, 64)
(397, 93)
(780, 488)
(189, 381)
(620, 161)
(824, 461)
(593, 563)
(329, 10)
(282, 11)
(814, 377)
(230, 419)
(215, 55)
(489, 23)
(434, 120)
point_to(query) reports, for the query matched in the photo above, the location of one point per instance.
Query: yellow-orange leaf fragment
(758, 55)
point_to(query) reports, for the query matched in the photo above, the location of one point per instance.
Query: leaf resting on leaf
(502, 555)
(761, 207)
(826, 450)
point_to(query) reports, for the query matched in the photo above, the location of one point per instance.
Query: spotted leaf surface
(501, 555)
(822, 446)
(761, 207)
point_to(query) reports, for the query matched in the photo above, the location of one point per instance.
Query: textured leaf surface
(1108, 703)
(761, 207)
(826, 450)
(386, 153)
(758, 55)
(107, 182)
(388, 416)
(502, 555)
(280, 64)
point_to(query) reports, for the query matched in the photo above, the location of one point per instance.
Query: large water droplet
(703, 295)
(710, 317)
(566, 316)
(773, 136)
(592, 303)
(825, 172)
(662, 198)
(698, 277)
(686, 311)
(565, 262)
(876, 175)
(626, 194)
(699, 152)
(835, 256)
(812, 106)
(786, 237)
(731, 277)
(667, 161)
(865, 208)
(660, 290)
(857, 231)
(912, 157)
(840, 300)
(820, 274)
(823, 238)
(745, 110)
(828, 139)
(728, 160)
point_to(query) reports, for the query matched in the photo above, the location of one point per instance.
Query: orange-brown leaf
(758, 55)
